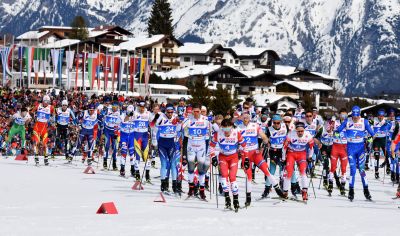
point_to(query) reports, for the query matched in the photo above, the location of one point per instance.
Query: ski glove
(214, 161)
(246, 163)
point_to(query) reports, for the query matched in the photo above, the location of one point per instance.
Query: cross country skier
(18, 120)
(64, 115)
(126, 129)
(276, 135)
(393, 123)
(167, 130)
(394, 162)
(394, 149)
(295, 150)
(111, 124)
(44, 112)
(88, 121)
(198, 127)
(339, 152)
(250, 132)
(381, 129)
(355, 131)
(229, 140)
(142, 119)
(325, 138)
(312, 125)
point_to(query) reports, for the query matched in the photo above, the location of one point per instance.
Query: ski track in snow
(63, 201)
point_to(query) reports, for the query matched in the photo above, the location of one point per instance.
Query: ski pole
(312, 184)
(216, 190)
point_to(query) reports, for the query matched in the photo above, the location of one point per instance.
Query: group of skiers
(189, 136)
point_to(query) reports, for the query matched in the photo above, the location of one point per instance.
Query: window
(186, 59)
(236, 61)
(245, 63)
(155, 55)
(231, 61)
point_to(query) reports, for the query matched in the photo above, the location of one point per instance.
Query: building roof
(249, 52)
(254, 73)
(168, 86)
(198, 48)
(139, 42)
(32, 35)
(61, 43)
(306, 86)
(56, 27)
(284, 70)
(189, 71)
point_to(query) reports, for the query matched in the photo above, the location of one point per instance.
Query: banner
(120, 72)
(147, 76)
(28, 56)
(92, 66)
(132, 71)
(59, 67)
(55, 54)
(69, 57)
(142, 68)
(106, 70)
(115, 70)
(4, 52)
(20, 59)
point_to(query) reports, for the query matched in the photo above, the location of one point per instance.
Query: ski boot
(236, 202)
(163, 185)
(342, 189)
(325, 183)
(367, 194)
(122, 171)
(36, 160)
(285, 194)
(351, 194)
(46, 160)
(137, 175)
(105, 163)
(398, 192)
(147, 176)
(207, 181)
(89, 161)
(266, 192)
(196, 190)
(387, 169)
(167, 184)
(304, 194)
(337, 179)
(376, 175)
(220, 190)
(179, 187)
(248, 200)
(202, 193)
(392, 176)
(175, 187)
(132, 170)
(114, 165)
(227, 201)
(278, 191)
(330, 187)
(153, 164)
(397, 178)
(191, 190)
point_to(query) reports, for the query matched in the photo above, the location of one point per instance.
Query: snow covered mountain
(356, 40)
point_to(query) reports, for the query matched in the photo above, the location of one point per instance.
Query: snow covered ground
(61, 200)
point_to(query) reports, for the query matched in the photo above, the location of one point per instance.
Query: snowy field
(61, 200)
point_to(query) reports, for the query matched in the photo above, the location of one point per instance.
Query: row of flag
(93, 65)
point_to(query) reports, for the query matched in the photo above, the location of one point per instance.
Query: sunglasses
(246, 107)
(196, 111)
(287, 122)
(309, 116)
(170, 112)
(277, 123)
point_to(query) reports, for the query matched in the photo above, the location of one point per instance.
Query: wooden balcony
(175, 63)
(168, 45)
(217, 54)
(264, 66)
(201, 62)
(169, 54)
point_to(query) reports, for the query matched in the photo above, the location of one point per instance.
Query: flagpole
(77, 67)
(127, 71)
(98, 69)
(84, 67)
(12, 61)
(104, 72)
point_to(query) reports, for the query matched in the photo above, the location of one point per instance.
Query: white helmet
(129, 109)
(46, 98)
(64, 102)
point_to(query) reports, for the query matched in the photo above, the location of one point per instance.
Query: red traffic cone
(21, 157)
(107, 208)
(89, 170)
(160, 198)
(137, 186)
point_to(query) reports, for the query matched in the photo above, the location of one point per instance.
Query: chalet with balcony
(38, 38)
(162, 49)
(109, 35)
(253, 58)
(207, 54)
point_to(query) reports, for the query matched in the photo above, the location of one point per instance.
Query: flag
(44, 57)
(70, 55)
(4, 52)
(59, 66)
(28, 61)
(115, 70)
(36, 63)
(142, 68)
(106, 70)
(20, 58)
(92, 67)
(55, 56)
(132, 70)
(120, 72)
(147, 75)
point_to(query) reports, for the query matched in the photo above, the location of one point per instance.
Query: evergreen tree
(200, 93)
(160, 21)
(222, 102)
(80, 30)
